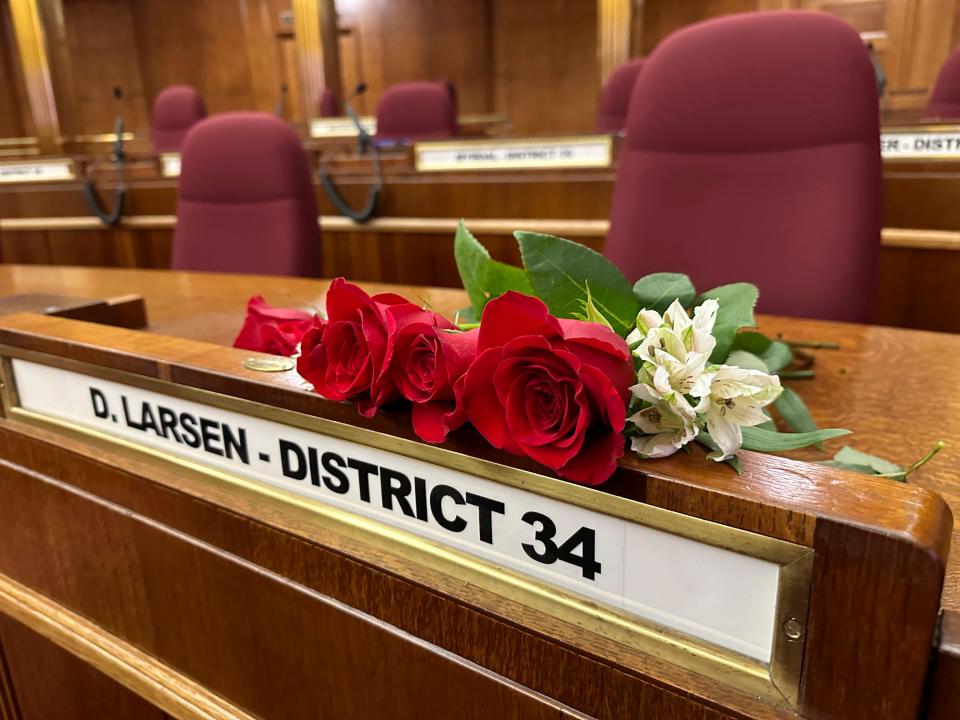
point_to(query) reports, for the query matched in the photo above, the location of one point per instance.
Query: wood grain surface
(855, 387)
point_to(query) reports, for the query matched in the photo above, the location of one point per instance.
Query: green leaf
(851, 456)
(558, 271)
(703, 437)
(484, 278)
(659, 290)
(767, 441)
(590, 312)
(777, 356)
(737, 301)
(747, 360)
(751, 341)
(795, 413)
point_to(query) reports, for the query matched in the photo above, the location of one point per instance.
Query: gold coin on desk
(269, 364)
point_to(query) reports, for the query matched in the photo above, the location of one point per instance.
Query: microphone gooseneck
(365, 142)
(119, 159)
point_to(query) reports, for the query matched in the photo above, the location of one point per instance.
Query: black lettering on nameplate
(565, 552)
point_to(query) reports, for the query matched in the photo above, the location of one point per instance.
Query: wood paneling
(52, 684)
(397, 40)
(547, 76)
(15, 117)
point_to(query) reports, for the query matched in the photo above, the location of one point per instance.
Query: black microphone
(119, 153)
(363, 137)
(281, 105)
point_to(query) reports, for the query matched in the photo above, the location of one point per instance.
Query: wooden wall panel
(93, 47)
(221, 47)
(546, 67)
(15, 118)
(51, 684)
(390, 41)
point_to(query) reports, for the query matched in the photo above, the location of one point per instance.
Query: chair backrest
(329, 107)
(945, 99)
(416, 111)
(755, 155)
(246, 201)
(615, 97)
(176, 109)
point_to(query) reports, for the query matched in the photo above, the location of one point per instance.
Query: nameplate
(30, 171)
(588, 151)
(931, 143)
(341, 127)
(170, 164)
(720, 585)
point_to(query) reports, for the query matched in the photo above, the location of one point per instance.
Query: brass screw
(793, 629)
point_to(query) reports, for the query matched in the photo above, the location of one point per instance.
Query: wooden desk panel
(861, 387)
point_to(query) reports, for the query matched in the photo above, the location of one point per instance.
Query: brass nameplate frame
(920, 142)
(37, 171)
(110, 408)
(529, 153)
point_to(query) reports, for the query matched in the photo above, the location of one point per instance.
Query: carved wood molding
(141, 673)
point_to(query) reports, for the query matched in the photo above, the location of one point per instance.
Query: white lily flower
(734, 399)
(668, 429)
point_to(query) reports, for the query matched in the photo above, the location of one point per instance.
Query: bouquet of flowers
(562, 361)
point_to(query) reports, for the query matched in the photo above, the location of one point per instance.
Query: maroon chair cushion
(246, 201)
(615, 98)
(755, 156)
(176, 109)
(416, 111)
(945, 99)
(329, 107)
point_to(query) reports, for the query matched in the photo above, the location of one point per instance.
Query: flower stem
(813, 344)
(468, 326)
(940, 444)
(796, 374)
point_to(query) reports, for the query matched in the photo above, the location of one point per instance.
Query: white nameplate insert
(928, 143)
(170, 164)
(586, 151)
(46, 170)
(705, 591)
(337, 127)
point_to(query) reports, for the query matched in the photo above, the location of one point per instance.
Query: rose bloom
(271, 329)
(347, 355)
(429, 363)
(554, 390)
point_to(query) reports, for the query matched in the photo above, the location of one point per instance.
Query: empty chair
(615, 98)
(416, 111)
(246, 202)
(755, 156)
(329, 107)
(945, 99)
(176, 109)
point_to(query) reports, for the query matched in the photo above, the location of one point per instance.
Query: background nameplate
(696, 586)
(170, 164)
(919, 144)
(587, 151)
(28, 171)
(340, 127)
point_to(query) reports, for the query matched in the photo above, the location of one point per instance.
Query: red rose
(347, 356)
(428, 363)
(553, 390)
(271, 329)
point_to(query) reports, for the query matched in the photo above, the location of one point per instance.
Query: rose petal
(513, 315)
(481, 404)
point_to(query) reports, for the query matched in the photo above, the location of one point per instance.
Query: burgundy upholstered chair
(416, 111)
(945, 99)
(615, 97)
(245, 202)
(329, 107)
(176, 109)
(755, 156)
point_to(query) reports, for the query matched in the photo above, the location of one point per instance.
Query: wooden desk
(410, 239)
(871, 385)
(898, 390)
